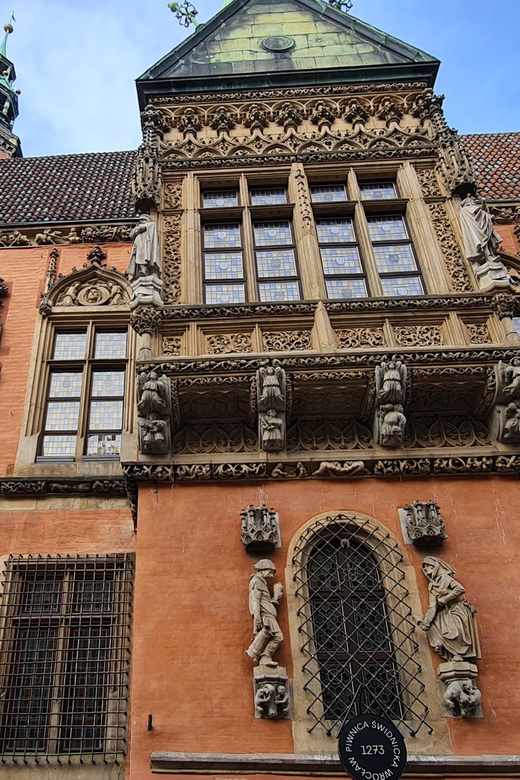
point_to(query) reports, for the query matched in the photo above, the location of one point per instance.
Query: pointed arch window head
(356, 625)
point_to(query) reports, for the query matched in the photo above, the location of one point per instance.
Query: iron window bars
(65, 657)
(355, 624)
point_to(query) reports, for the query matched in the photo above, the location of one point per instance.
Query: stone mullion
(248, 239)
(191, 243)
(306, 239)
(430, 259)
(375, 288)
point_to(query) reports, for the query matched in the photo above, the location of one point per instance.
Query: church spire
(9, 143)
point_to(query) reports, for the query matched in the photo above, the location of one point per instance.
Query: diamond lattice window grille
(356, 625)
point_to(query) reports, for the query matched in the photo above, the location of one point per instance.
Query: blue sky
(76, 62)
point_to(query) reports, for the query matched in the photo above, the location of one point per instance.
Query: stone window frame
(36, 395)
(308, 738)
(118, 568)
(302, 213)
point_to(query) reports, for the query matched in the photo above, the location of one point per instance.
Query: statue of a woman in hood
(146, 254)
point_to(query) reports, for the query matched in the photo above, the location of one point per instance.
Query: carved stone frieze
(146, 319)
(452, 430)
(171, 345)
(90, 234)
(478, 333)
(418, 335)
(289, 115)
(424, 524)
(505, 304)
(223, 343)
(450, 248)
(172, 259)
(429, 182)
(352, 338)
(173, 195)
(260, 529)
(287, 341)
(20, 486)
(188, 122)
(256, 117)
(505, 215)
(337, 469)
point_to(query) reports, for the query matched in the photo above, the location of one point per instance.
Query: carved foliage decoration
(285, 341)
(173, 195)
(418, 335)
(478, 333)
(172, 259)
(450, 249)
(172, 345)
(223, 343)
(429, 183)
(360, 337)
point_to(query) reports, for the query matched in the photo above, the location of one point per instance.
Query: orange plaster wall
(191, 620)
(62, 531)
(510, 243)
(23, 271)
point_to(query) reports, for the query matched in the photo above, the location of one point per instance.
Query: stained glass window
(328, 193)
(335, 231)
(279, 262)
(273, 234)
(343, 289)
(394, 256)
(378, 190)
(387, 229)
(402, 286)
(221, 236)
(225, 293)
(276, 263)
(218, 200)
(110, 344)
(223, 264)
(341, 260)
(271, 197)
(279, 291)
(70, 346)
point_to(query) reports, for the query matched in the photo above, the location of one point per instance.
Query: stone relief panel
(351, 338)
(450, 249)
(286, 341)
(223, 343)
(172, 259)
(418, 335)
(423, 525)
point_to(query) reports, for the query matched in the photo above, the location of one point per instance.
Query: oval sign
(372, 748)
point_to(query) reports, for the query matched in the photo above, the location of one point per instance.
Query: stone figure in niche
(152, 393)
(154, 434)
(391, 382)
(450, 619)
(272, 431)
(481, 241)
(511, 379)
(512, 423)
(393, 423)
(272, 388)
(146, 255)
(117, 296)
(264, 609)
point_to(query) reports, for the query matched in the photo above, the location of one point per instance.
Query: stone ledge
(321, 765)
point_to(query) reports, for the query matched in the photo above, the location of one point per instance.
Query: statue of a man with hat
(263, 607)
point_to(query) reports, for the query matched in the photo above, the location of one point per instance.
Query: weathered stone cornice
(13, 487)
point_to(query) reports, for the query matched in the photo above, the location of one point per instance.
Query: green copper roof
(270, 41)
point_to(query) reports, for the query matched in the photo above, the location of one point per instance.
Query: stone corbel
(260, 529)
(390, 401)
(271, 692)
(505, 415)
(157, 406)
(422, 524)
(272, 402)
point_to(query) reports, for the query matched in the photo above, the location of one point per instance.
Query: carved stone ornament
(271, 692)
(94, 285)
(389, 419)
(508, 380)
(154, 407)
(505, 414)
(452, 631)
(272, 407)
(481, 243)
(263, 607)
(260, 529)
(423, 524)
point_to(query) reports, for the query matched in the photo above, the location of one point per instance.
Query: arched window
(356, 624)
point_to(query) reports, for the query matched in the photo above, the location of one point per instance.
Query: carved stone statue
(271, 388)
(424, 524)
(260, 529)
(155, 413)
(481, 242)
(512, 422)
(264, 609)
(392, 426)
(452, 631)
(336, 469)
(391, 382)
(450, 619)
(271, 701)
(511, 378)
(272, 431)
(146, 255)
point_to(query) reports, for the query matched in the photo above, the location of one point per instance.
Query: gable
(263, 38)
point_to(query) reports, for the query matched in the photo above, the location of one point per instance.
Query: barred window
(355, 624)
(65, 657)
(85, 395)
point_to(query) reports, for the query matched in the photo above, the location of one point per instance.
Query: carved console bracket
(391, 396)
(260, 529)
(271, 692)
(462, 697)
(272, 405)
(422, 524)
(156, 401)
(505, 414)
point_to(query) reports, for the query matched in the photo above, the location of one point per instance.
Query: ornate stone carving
(478, 333)
(505, 215)
(509, 430)
(304, 203)
(172, 259)
(389, 110)
(14, 238)
(429, 183)
(289, 116)
(288, 340)
(146, 319)
(256, 118)
(289, 471)
(309, 435)
(189, 122)
(508, 380)
(481, 243)
(452, 631)
(360, 337)
(418, 336)
(68, 485)
(223, 119)
(322, 115)
(263, 608)
(272, 407)
(504, 305)
(454, 165)
(389, 420)
(355, 112)
(424, 524)
(271, 694)
(92, 293)
(349, 468)
(49, 237)
(154, 408)
(173, 195)
(223, 343)
(450, 249)
(171, 345)
(260, 529)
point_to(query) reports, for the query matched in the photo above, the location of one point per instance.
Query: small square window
(222, 236)
(273, 234)
(387, 229)
(378, 190)
(110, 344)
(272, 197)
(279, 291)
(219, 200)
(328, 193)
(225, 293)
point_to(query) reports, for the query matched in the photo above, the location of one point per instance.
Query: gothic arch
(93, 285)
(376, 644)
